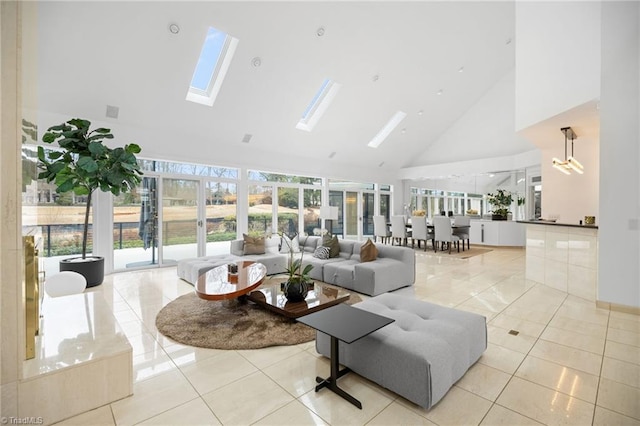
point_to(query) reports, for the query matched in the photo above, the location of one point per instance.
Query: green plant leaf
(49, 137)
(65, 186)
(79, 123)
(81, 190)
(102, 130)
(56, 167)
(97, 149)
(87, 164)
(132, 148)
(54, 155)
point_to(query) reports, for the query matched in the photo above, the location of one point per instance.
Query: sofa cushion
(288, 245)
(340, 273)
(308, 243)
(419, 356)
(271, 244)
(253, 245)
(368, 251)
(333, 244)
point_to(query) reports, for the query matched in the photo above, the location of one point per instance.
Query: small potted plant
(83, 165)
(501, 201)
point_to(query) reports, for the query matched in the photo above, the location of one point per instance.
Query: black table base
(332, 381)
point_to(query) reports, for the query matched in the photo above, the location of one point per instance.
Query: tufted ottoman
(419, 356)
(190, 269)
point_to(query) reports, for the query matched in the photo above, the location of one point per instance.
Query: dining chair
(380, 229)
(399, 230)
(463, 233)
(443, 232)
(419, 231)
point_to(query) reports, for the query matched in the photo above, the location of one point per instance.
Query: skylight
(387, 129)
(318, 105)
(215, 57)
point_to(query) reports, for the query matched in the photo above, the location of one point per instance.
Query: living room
(457, 61)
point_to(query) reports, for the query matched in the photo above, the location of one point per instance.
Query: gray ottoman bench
(419, 356)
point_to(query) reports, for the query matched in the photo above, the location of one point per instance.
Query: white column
(619, 205)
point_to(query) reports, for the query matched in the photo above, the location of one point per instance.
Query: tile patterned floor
(571, 363)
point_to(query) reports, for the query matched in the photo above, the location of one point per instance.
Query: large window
(221, 215)
(135, 226)
(298, 202)
(184, 210)
(311, 216)
(288, 211)
(260, 209)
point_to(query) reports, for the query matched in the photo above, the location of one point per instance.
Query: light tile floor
(571, 363)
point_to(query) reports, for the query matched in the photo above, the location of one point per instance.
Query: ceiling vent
(246, 138)
(112, 111)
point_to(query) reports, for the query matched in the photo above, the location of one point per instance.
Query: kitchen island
(563, 256)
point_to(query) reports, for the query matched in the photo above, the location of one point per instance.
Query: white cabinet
(497, 233)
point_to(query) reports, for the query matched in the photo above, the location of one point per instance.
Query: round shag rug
(229, 324)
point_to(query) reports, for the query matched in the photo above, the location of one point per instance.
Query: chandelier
(570, 163)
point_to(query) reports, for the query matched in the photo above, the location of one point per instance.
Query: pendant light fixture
(570, 163)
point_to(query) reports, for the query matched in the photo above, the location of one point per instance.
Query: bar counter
(548, 222)
(563, 256)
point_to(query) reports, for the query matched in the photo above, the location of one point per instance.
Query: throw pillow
(271, 244)
(368, 251)
(321, 252)
(253, 245)
(289, 244)
(333, 244)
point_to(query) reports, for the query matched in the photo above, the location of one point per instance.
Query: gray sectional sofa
(394, 267)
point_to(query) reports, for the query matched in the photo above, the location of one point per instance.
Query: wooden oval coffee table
(219, 284)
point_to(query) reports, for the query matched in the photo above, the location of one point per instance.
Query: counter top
(545, 222)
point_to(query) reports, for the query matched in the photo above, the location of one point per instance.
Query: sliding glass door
(180, 220)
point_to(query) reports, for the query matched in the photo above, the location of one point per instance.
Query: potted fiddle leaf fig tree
(83, 165)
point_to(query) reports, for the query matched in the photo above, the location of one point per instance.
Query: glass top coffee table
(220, 284)
(321, 296)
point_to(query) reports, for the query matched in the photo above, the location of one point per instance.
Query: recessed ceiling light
(332, 154)
(420, 112)
(381, 164)
(461, 69)
(320, 32)
(404, 131)
(439, 92)
(256, 62)
(247, 137)
(508, 40)
(375, 77)
(174, 29)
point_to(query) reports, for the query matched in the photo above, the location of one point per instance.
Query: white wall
(471, 167)
(557, 58)
(618, 267)
(486, 130)
(571, 197)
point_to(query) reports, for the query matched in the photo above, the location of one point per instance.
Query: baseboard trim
(618, 308)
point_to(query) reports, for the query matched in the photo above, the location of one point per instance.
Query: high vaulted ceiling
(388, 56)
